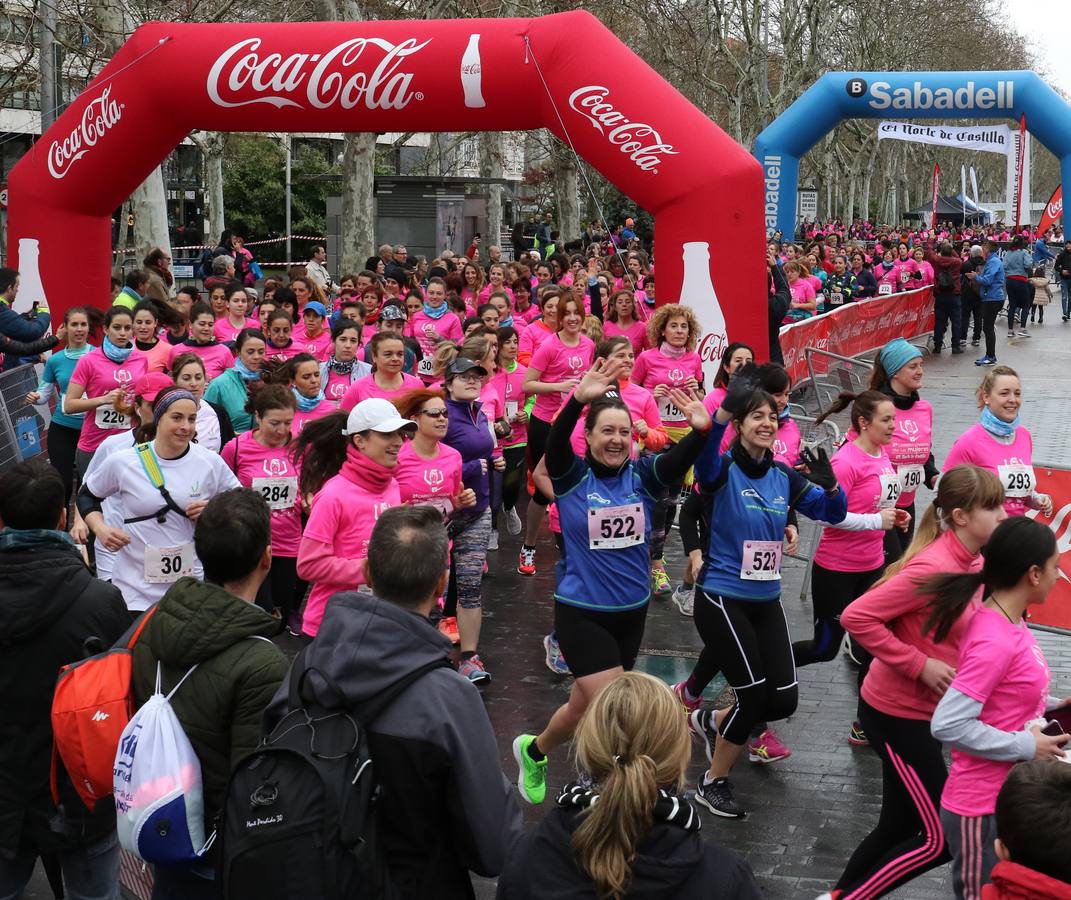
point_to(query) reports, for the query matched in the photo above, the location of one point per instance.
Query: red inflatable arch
(444, 75)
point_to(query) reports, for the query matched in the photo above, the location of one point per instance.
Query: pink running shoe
(690, 706)
(767, 748)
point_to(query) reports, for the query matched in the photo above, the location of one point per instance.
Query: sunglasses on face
(435, 413)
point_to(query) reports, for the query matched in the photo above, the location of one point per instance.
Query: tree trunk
(492, 162)
(358, 221)
(150, 215)
(211, 145)
(565, 174)
(867, 174)
(357, 238)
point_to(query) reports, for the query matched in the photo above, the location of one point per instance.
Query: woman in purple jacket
(470, 529)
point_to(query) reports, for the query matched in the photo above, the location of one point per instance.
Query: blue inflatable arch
(902, 95)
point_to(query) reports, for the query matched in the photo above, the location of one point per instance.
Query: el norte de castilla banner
(983, 138)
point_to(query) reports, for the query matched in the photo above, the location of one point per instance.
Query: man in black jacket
(1063, 272)
(52, 612)
(446, 807)
(970, 299)
(778, 301)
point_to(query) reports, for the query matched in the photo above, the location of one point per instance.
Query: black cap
(462, 364)
(392, 312)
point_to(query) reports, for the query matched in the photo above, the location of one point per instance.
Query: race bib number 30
(1018, 480)
(911, 478)
(761, 561)
(426, 367)
(279, 493)
(110, 419)
(616, 527)
(890, 490)
(165, 565)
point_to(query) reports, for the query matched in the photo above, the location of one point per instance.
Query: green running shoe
(531, 775)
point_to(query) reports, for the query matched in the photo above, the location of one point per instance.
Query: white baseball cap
(376, 414)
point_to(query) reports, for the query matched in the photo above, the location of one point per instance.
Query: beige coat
(1042, 291)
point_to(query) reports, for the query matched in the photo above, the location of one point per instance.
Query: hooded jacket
(446, 807)
(52, 612)
(671, 863)
(222, 703)
(1010, 881)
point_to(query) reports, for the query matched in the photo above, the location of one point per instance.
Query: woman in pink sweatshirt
(914, 636)
(348, 464)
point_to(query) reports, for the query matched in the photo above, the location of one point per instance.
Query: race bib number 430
(615, 527)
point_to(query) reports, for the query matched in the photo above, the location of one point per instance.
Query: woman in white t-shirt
(162, 486)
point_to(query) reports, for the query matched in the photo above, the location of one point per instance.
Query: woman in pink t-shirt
(622, 318)
(804, 302)
(555, 369)
(914, 636)
(993, 711)
(429, 471)
(898, 373)
(471, 284)
(522, 301)
(540, 329)
(508, 380)
(999, 443)
(312, 336)
(342, 368)
(347, 463)
(302, 376)
(237, 318)
(261, 460)
(850, 556)
(147, 336)
(202, 341)
(496, 276)
(387, 380)
(101, 382)
(280, 346)
(431, 325)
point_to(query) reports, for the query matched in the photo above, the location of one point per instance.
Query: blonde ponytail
(632, 741)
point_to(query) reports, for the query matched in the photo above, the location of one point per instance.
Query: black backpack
(945, 282)
(299, 818)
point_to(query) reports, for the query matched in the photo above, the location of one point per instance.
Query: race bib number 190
(911, 478)
(615, 527)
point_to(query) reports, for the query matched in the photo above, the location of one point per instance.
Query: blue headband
(896, 354)
(170, 397)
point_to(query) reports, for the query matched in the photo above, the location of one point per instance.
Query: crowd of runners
(339, 461)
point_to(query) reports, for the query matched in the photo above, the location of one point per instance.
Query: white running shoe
(493, 543)
(513, 522)
(684, 597)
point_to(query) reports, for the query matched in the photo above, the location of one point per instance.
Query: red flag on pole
(936, 175)
(1019, 180)
(1054, 210)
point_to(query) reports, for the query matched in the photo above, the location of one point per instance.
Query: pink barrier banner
(857, 328)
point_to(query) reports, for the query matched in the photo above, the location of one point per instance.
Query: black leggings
(990, 311)
(594, 640)
(897, 541)
(62, 444)
(282, 587)
(1020, 299)
(831, 592)
(908, 839)
(538, 432)
(750, 641)
(513, 477)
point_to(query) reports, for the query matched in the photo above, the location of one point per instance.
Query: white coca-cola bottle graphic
(697, 291)
(472, 75)
(31, 289)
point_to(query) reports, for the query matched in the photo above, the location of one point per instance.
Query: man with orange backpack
(52, 612)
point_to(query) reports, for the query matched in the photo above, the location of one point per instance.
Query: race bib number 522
(615, 527)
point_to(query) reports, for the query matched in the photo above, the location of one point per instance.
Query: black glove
(820, 470)
(741, 386)
(932, 473)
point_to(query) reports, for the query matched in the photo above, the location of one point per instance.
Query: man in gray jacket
(446, 807)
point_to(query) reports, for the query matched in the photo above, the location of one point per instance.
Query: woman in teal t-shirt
(65, 428)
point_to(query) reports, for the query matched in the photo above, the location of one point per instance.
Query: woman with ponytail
(347, 466)
(993, 713)
(624, 830)
(914, 636)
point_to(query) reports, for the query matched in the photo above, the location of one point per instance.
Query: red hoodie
(1010, 881)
